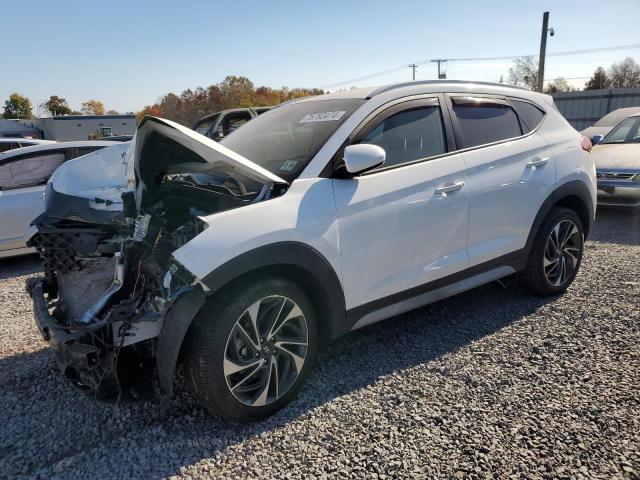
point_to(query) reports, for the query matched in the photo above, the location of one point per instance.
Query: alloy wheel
(266, 350)
(562, 252)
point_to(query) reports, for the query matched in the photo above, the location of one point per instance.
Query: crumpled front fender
(176, 324)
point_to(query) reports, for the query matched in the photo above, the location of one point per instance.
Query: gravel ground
(492, 383)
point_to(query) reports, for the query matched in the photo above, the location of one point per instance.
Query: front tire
(556, 253)
(252, 349)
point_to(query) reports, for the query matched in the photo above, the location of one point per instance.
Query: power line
(482, 59)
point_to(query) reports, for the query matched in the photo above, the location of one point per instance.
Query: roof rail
(393, 86)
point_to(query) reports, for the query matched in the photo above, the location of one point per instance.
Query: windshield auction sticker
(322, 117)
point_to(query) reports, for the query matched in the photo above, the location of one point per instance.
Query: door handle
(537, 162)
(451, 187)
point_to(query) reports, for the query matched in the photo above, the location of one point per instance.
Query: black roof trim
(93, 117)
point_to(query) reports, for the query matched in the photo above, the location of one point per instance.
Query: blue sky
(129, 53)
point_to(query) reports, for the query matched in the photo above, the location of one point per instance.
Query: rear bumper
(618, 193)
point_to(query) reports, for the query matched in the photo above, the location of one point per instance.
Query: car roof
(616, 116)
(56, 146)
(431, 86)
(30, 140)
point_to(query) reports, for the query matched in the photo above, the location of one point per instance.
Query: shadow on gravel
(17, 367)
(417, 339)
(185, 433)
(18, 266)
(619, 225)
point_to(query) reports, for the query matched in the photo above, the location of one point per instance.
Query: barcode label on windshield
(322, 117)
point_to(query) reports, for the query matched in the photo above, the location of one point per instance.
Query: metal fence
(583, 109)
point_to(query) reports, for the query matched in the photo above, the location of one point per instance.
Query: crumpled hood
(99, 177)
(624, 156)
(161, 146)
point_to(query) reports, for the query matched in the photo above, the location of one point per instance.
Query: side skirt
(431, 292)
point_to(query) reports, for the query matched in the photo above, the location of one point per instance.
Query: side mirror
(596, 139)
(362, 157)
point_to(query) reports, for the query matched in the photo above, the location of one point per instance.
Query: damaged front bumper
(76, 352)
(88, 352)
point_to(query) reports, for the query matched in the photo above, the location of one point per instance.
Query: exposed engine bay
(109, 284)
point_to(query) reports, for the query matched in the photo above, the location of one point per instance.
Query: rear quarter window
(530, 115)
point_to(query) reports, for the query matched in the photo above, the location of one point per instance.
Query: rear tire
(556, 254)
(252, 348)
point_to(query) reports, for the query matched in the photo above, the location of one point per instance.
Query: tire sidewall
(556, 217)
(224, 310)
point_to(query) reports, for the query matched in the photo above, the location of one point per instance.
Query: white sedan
(13, 143)
(23, 176)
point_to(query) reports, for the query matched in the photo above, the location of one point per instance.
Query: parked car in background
(23, 175)
(13, 143)
(617, 160)
(220, 124)
(117, 138)
(606, 123)
(322, 216)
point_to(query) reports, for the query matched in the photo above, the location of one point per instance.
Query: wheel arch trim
(573, 189)
(296, 255)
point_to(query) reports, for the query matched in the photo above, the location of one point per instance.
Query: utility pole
(441, 76)
(413, 67)
(543, 50)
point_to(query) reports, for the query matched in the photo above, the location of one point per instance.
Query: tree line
(238, 91)
(185, 108)
(623, 74)
(233, 92)
(19, 107)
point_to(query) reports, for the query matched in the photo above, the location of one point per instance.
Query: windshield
(285, 139)
(627, 132)
(203, 126)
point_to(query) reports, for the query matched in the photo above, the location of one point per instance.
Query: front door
(404, 224)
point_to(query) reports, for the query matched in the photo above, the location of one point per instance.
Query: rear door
(405, 224)
(22, 184)
(510, 171)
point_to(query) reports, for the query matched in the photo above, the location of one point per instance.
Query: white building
(13, 129)
(66, 128)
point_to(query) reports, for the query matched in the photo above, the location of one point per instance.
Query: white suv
(323, 215)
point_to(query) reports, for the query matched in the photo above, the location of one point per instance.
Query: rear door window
(4, 147)
(29, 171)
(482, 121)
(86, 150)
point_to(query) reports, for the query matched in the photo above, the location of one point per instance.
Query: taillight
(586, 144)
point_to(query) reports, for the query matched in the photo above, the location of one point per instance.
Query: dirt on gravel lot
(492, 383)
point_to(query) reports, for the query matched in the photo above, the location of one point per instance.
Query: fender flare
(303, 257)
(575, 188)
(176, 323)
